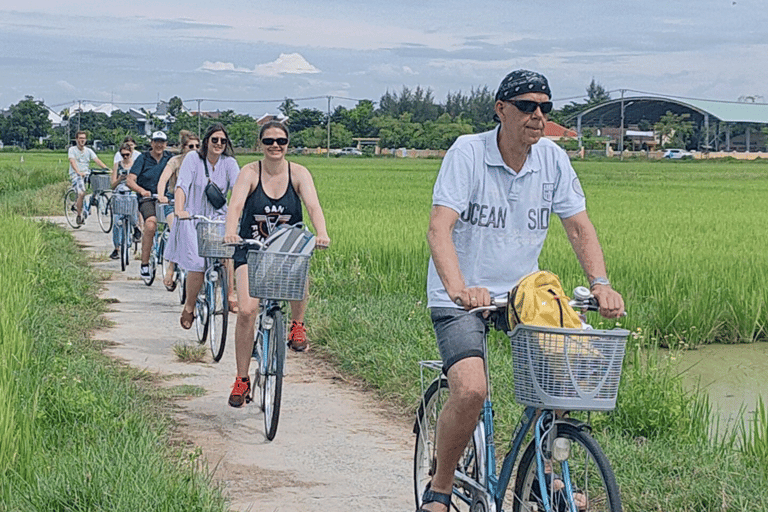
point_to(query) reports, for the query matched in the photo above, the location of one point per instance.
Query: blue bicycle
(563, 468)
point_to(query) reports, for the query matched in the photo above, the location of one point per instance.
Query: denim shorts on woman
(459, 334)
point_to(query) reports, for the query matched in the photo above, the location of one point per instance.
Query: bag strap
(559, 304)
(205, 163)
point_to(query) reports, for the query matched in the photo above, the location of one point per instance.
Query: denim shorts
(459, 334)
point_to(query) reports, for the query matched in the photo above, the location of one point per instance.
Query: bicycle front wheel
(592, 479)
(425, 456)
(125, 255)
(272, 381)
(181, 284)
(70, 208)
(201, 318)
(104, 212)
(217, 315)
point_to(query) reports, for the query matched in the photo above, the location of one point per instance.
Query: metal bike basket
(100, 182)
(574, 369)
(210, 240)
(125, 204)
(277, 275)
(160, 212)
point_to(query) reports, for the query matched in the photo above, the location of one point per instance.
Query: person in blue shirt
(143, 178)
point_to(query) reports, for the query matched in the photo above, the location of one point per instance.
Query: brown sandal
(187, 318)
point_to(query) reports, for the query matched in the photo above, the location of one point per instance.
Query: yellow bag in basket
(539, 299)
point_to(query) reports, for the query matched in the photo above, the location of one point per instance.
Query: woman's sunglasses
(219, 140)
(125, 155)
(268, 141)
(529, 107)
(197, 146)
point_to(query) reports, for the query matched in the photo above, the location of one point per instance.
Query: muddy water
(732, 375)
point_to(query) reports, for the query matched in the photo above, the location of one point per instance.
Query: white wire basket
(210, 240)
(100, 182)
(125, 204)
(277, 275)
(160, 212)
(573, 369)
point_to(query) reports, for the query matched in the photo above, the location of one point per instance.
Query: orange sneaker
(297, 339)
(241, 392)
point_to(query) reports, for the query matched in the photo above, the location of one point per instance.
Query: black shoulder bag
(212, 191)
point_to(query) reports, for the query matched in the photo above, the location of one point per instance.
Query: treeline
(411, 118)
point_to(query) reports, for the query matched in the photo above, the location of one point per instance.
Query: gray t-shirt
(503, 215)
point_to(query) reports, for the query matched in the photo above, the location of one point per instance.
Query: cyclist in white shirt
(80, 158)
(492, 203)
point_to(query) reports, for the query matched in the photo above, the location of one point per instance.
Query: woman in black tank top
(268, 192)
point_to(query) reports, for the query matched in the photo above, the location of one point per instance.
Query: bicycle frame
(490, 486)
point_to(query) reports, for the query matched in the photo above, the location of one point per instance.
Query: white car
(350, 152)
(677, 154)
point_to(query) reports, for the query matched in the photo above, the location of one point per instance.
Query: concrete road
(336, 449)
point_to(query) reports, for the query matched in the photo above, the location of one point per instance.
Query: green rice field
(683, 243)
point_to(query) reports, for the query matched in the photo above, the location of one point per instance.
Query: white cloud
(222, 66)
(286, 63)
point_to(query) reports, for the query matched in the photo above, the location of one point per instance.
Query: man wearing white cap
(143, 179)
(491, 208)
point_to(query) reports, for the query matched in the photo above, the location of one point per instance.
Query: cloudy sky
(249, 55)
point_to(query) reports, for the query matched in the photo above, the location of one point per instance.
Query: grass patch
(97, 445)
(189, 352)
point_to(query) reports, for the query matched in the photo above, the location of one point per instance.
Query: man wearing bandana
(492, 203)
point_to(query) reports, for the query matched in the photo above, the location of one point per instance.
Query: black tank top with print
(261, 213)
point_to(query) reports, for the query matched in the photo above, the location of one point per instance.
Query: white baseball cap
(158, 135)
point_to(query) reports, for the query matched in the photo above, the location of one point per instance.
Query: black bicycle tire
(423, 470)
(152, 270)
(526, 468)
(220, 310)
(182, 285)
(70, 199)
(201, 319)
(160, 251)
(125, 255)
(275, 362)
(104, 215)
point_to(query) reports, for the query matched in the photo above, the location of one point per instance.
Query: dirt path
(336, 448)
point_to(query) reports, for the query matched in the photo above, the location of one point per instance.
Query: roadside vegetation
(77, 430)
(681, 245)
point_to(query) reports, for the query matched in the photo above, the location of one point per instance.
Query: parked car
(677, 154)
(350, 152)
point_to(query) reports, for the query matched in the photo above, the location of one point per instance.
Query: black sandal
(431, 496)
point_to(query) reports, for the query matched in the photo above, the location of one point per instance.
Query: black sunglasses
(529, 107)
(193, 146)
(125, 155)
(217, 140)
(268, 141)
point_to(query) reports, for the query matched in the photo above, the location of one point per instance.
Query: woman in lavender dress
(190, 199)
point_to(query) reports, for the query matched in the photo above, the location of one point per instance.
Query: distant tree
(398, 132)
(674, 130)
(476, 108)
(26, 122)
(186, 121)
(442, 133)
(597, 93)
(288, 107)
(317, 136)
(175, 106)
(358, 120)
(419, 103)
(305, 118)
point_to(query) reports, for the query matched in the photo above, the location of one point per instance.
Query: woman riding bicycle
(215, 155)
(117, 182)
(268, 193)
(188, 141)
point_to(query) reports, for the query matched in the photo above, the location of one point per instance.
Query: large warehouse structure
(714, 119)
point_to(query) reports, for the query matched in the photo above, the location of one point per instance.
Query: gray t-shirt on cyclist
(503, 215)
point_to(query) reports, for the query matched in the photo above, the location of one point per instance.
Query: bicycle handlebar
(582, 299)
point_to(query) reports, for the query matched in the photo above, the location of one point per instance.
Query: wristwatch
(599, 280)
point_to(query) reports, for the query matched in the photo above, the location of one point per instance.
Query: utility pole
(198, 117)
(621, 132)
(328, 145)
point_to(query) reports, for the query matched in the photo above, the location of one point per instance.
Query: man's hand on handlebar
(611, 302)
(322, 242)
(232, 239)
(470, 298)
